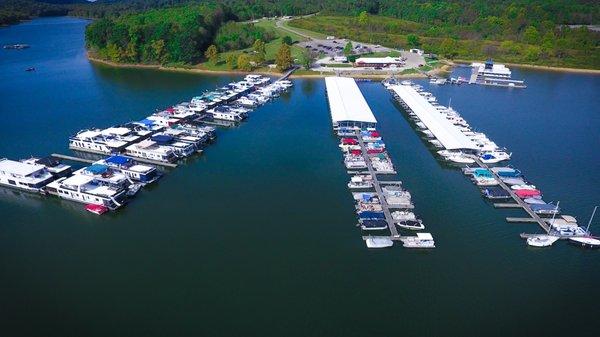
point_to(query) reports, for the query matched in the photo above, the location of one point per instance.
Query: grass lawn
(314, 35)
(271, 47)
(382, 54)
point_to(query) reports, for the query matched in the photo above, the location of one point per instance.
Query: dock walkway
(519, 201)
(394, 235)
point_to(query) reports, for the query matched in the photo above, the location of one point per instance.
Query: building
(419, 52)
(347, 105)
(383, 62)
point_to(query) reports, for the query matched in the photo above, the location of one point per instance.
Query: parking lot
(335, 47)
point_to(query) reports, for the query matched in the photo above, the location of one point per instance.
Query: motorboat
(422, 240)
(484, 181)
(496, 193)
(372, 225)
(534, 201)
(528, 193)
(96, 209)
(542, 240)
(494, 157)
(545, 209)
(357, 182)
(460, 159)
(414, 225)
(378, 242)
(523, 187)
(586, 241)
(404, 216)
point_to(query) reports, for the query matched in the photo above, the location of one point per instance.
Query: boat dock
(386, 209)
(518, 201)
(135, 159)
(366, 154)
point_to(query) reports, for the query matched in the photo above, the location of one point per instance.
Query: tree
(348, 48)
(449, 48)
(283, 59)
(287, 40)
(230, 61)
(243, 62)
(531, 35)
(212, 54)
(413, 40)
(363, 18)
(158, 50)
(260, 51)
(307, 59)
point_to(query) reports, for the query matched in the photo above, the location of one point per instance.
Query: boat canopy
(97, 168)
(118, 160)
(371, 215)
(444, 131)
(147, 122)
(543, 207)
(162, 139)
(496, 192)
(346, 102)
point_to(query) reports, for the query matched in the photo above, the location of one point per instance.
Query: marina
(453, 139)
(363, 148)
(161, 139)
(284, 163)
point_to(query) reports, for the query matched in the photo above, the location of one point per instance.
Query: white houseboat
(88, 190)
(24, 176)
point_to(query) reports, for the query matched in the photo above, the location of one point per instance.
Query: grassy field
(271, 47)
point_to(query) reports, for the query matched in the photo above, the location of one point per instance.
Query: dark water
(256, 237)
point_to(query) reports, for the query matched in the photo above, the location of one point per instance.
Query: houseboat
(149, 149)
(88, 190)
(143, 174)
(24, 176)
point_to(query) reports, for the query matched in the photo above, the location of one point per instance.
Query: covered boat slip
(445, 132)
(347, 105)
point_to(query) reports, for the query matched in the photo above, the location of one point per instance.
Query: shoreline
(237, 72)
(538, 67)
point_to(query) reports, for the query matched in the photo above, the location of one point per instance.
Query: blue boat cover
(487, 156)
(118, 160)
(509, 174)
(542, 207)
(147, 122)
(97, 168)
(371, 215)
(374, 223)
(162, 139)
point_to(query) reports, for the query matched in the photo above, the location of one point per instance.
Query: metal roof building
(447, 133)
(347, 105)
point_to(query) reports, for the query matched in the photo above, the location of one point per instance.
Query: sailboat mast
(587, 229)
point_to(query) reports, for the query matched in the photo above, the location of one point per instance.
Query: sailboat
(587, 241)
(544, 240)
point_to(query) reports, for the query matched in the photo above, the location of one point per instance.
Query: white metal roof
(18, 168)
(378, 60)
(89, 134)
(77, 180)
(447, 133)
(119, 131)
(346, 102)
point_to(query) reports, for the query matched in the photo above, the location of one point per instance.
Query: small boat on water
(528, 193)
(379, 242)
(404, 216)
(373, 225)
(542, 240)
(96, 209)
(495, 192)
(422, 240)
(17, 46)
(30, 69)
(522, 187)
(357, 182)
(413, 225)
(586, 241)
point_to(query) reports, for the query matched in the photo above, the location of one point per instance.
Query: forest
(149, 31)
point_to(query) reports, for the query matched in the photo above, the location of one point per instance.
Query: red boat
(376, 150)
(375, 134)
(527, 193)
(96, 209)
(356, 152)
(349, 141)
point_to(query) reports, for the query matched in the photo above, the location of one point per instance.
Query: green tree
(212, 54)
(243, 62)
(532, 53)
(230, 61)
(449, 48)
(307, 58)
(260, 52)
(363, 18)
(283, 59)
(113, 52)
(413, 40)
(531, 35)
(510, 47)
(348, 48)
(287, 40)
(158, 50)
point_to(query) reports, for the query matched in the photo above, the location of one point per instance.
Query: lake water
(256, 237)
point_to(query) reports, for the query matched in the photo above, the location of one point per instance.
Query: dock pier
(519, 202)
(394, 235)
